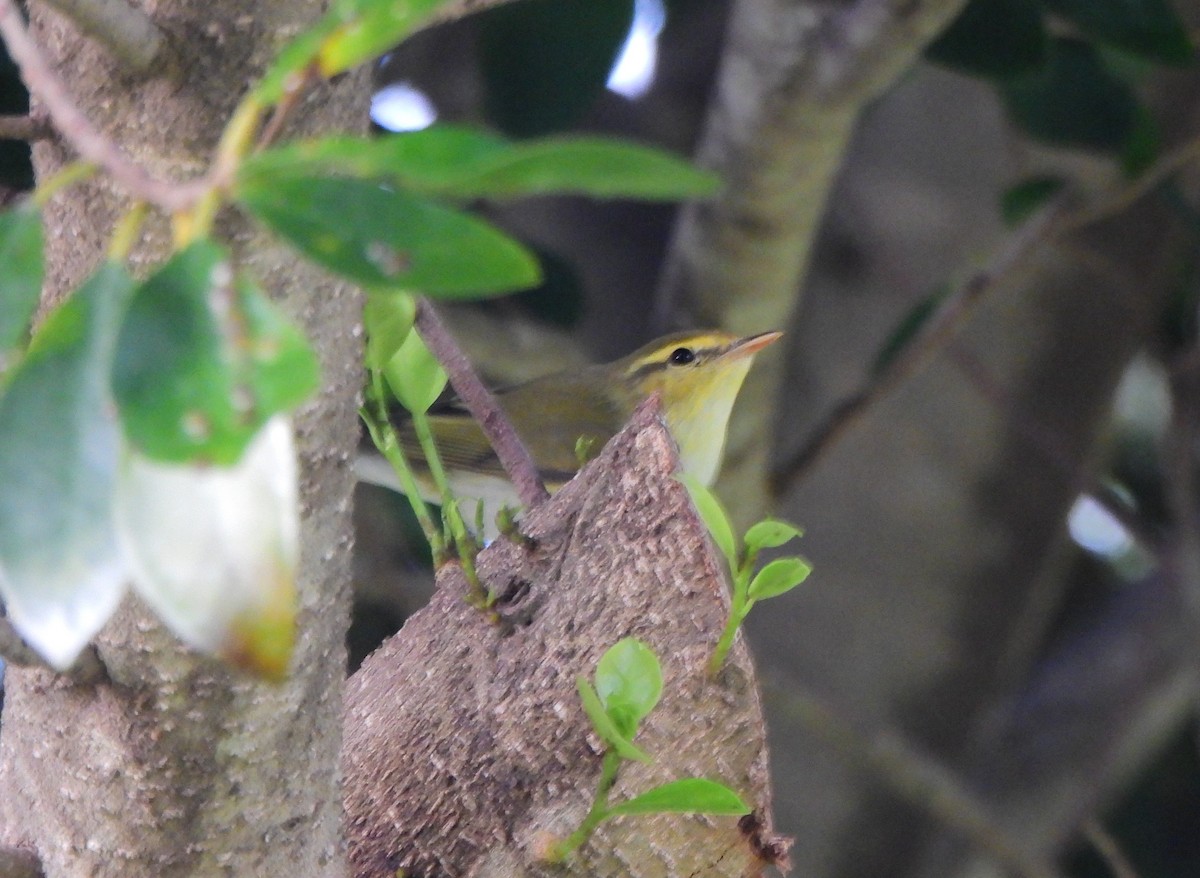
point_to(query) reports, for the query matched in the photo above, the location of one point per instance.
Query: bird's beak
(751, 344)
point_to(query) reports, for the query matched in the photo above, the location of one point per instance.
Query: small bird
(564, 419)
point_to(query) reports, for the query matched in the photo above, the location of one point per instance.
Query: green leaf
(1021, 201)
(460, 162)
(351, 32)
(778, 577)
(770, 533)
(203, 362)
(545, 62)
(21, 275)
(388, 321)
(1143, 145)
(993, 39)
(907, 330)
(1149, 28)
(277, 364)
(388, 240)
(429, 160)
(1075, 101)
(629, 683)
(693, 795)
(287, 70)
(61, 572)
(370, 28)
(714, 516)
(594, 166)
(604, 725)
(414, 375)
(214, 549)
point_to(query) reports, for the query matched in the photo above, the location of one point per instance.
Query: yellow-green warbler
(697, 375)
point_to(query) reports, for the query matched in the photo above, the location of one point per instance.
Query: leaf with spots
(204, 360)
(388, 240)
(214, 549)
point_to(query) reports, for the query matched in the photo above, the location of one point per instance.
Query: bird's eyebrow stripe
(656, 361)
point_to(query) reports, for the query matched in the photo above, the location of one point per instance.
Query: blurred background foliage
(987, 415)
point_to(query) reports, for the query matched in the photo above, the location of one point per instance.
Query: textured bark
(175, 765)
(466, 746)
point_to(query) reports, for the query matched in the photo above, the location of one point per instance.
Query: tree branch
(793, 79)
(77, 129)
(941, 327)
(513, 454)
(920, 779)
(1106, 846)
(29, 128)
(124, 30)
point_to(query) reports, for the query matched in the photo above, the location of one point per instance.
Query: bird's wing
(551, 438)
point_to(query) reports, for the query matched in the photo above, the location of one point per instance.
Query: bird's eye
(681, 356)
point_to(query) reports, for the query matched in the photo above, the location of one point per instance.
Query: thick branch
(513, 454)
(124, 30)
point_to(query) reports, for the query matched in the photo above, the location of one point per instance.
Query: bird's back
(551, 415)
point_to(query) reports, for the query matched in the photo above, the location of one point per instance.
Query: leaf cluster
(1067, 71)
(180, 372)
(775, 578)
(628, 687)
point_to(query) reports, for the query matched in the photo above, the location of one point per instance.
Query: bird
(565, 418)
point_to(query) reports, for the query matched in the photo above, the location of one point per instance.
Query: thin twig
(79, 131)
(1162, 170)
(919, 779)
(942, 326)
(29, 128)
(15, 651)
(124, 30)
(283, 110)
(1049, 443)
(1108, 849)
(482, 405)
(1052, 220)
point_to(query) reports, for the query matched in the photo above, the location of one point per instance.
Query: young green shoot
(628, 686)
(510, 529)
(389, 322)
(774, 578)
(397, 356)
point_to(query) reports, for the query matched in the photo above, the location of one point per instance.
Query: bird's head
(697, 375)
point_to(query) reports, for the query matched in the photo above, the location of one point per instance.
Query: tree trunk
(175, 765)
